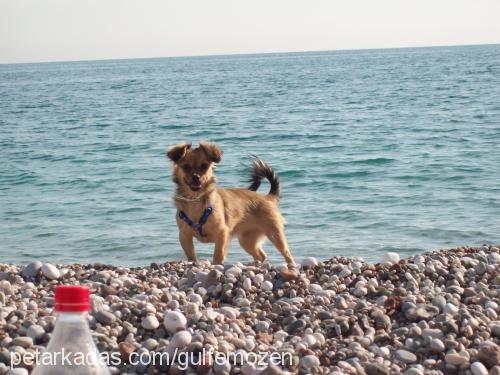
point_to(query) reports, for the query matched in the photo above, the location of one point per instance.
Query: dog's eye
(204, 166)
(186, 167)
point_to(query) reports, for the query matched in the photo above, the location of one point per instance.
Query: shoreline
(432, 313)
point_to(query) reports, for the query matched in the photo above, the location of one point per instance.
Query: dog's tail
(261, 170)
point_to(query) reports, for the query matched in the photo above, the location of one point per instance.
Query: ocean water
(377, 150)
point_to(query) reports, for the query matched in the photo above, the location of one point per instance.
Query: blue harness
(199, 225)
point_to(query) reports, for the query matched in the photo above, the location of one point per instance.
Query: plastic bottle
(71, 335)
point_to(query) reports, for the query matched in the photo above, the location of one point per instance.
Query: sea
(377, 150)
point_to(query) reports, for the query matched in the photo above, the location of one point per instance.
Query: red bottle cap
(72, 298)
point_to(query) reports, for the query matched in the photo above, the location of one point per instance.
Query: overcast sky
(55, 30)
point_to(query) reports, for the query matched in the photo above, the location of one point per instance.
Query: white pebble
(309, 340)
(437, 345)
(18, 371)
(390, 258)
(314, 288)
(6, 286)
(320, 338)
(309, 262)
(450, 309)
(229, 312)
(247, 284)
(419, 259)
(50, 271)
(360, 292)
(174, 321)
(309, 361)
(150, 322)
(234, 271)
(280, 335)
(221, 364)
(478, 368)
(491, 305)
(258, 279)
(267, 286)
(196, 298)
(181, 339)
(191, 308)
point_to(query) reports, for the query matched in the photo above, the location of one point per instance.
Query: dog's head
(193, 167)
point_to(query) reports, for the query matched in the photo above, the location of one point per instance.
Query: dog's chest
(189, 220)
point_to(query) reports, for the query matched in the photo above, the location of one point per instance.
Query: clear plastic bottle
(71, 349)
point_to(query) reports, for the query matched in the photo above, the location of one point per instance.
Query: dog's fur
(243, 213)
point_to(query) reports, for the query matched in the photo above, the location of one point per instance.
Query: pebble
(174, 321)
(406, 356)
(126, 349)
(150, 322)
(18, 371)
(222, 365)
(234, 271)
(489, 353)
(309, 340)
(434, 313)
(105, 317)
(32, 269)
(308, 362)
(450, 309)
(390, 258)
(247, 284)
(50, 271)
(376, 369)
(289, 274)
(478, 368)
(230, 312)
(35, 331)
(151, 344)
(456, 358)
(266, 286)
(22, 341)
(262, 326)
(181, 339)
(6, 287)
(437, 346)
(413, 371)
(439, 302)
(309, 262)
(429, 333)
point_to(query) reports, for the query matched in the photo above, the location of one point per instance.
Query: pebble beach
(433, 313)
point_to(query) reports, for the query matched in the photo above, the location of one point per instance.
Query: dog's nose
(196, 177)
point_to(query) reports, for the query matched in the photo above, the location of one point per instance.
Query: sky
(60, 30)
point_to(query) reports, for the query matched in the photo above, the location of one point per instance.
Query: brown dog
(215, 215)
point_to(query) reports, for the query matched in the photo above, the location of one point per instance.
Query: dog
(215, 215)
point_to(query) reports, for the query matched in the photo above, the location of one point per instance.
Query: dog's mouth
(194, 186)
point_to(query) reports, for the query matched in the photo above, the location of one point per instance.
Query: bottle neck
(69, 317)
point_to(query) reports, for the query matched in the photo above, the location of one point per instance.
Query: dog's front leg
(187, 244)
(221, 245)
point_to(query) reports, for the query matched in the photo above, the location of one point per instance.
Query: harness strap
(199, 225)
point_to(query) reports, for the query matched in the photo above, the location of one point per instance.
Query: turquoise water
(377, 150)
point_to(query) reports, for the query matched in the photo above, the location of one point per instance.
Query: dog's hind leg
(251, 242)
(276, 235)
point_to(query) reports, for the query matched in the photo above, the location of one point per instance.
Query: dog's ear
(212, 151)
(177, 152)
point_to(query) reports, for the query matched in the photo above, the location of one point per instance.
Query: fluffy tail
(261, 170)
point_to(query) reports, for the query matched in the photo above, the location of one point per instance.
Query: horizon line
(244, 54)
